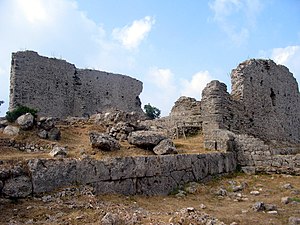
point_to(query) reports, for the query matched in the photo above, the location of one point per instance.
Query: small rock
(58, 152)
(180, 194)
(165, 147)
(190, 209)
(221, 192)
(46, 123)
(3, 123)
(192, 187)
(47, 198)
(285, 200)
(111, 219)
(294, 221)
(255, 193)
(202, 206)
(26, 121)
(287, 186)
(237, 188)
(11, 130)
(54, 134)
(234, 223)
(270, 207)
(43, 134)
(259, 206)
(272, 212)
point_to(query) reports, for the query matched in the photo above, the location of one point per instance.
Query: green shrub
(11, 116)
(151, 111)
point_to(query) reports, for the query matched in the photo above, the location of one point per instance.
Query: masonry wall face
(270, 98)
(57, 88)
(145, 175)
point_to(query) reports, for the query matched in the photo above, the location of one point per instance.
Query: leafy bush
(151, 111)
(11, 116)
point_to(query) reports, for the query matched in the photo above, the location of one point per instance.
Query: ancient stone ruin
(256, 127)
(259, 121)
(57, 88)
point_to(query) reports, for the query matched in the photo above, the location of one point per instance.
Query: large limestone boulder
(146, 139)
(11, 130)
(165, 147)
(103, 142)
(17, 187)
(26, 121)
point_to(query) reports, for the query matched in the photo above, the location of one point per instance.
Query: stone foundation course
(144, 175)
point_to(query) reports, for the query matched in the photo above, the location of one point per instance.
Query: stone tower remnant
(57, 88)
(264, 102)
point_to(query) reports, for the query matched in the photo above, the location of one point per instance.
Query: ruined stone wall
(264, 102)
(146, 175)
(270, 98)
(57, 88)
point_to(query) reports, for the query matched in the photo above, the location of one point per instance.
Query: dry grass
(76, 138)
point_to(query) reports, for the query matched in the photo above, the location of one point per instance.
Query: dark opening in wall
(216, 145)
(273, 97)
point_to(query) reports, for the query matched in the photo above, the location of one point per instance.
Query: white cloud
(194, 87)
(163, 78)
(288, 56)
(236, 17)
(131, 36)
(161, 90)
(58, 28)
(283, 55)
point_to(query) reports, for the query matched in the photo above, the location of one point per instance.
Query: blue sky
(174, 47)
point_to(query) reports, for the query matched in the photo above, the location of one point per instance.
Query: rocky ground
(236, 199)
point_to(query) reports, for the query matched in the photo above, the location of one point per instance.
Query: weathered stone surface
(54, 134)
(148, 175)
(146, 139)
(48, 175)
(17, 187)
(294, 221)
(11, 130)
(3, 122)
(1, 186)
(165, 147)
(43, 134)
(259, 206)
(270, 98)
(58, 152)
(26, 121)
(125, 187)
(103, 142)
(111, 219)
(46, 123)
(186, 106)
(69, 91)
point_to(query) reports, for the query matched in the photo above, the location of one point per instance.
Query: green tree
(151, 111)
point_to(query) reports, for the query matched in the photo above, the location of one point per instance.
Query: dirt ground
(71, 207)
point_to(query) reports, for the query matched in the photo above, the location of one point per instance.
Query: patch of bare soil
(205, 203)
